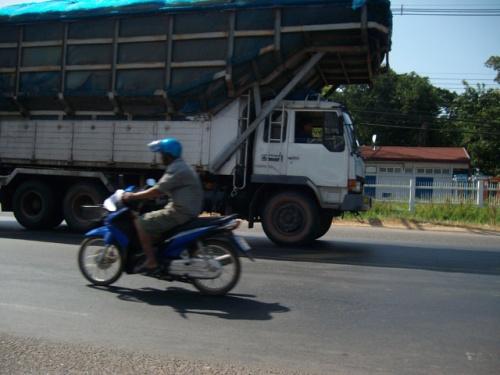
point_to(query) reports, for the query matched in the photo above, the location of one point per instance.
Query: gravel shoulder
(36, 356)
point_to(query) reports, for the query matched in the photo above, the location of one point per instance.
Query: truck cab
(308, 151)
(314, 142)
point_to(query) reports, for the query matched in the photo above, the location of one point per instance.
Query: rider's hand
(127, 197)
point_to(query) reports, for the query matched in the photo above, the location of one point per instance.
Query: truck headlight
(354, 186)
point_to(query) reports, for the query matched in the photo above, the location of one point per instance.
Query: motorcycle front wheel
(226, 255)
(99, 263)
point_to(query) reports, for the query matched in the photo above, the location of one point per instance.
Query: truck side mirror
(374, 142)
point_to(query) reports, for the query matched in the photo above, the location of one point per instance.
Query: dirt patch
(415, 225)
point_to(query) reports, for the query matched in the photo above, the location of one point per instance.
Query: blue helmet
(169, 146)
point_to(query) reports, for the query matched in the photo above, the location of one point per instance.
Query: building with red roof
(428, 166)
(454, 155)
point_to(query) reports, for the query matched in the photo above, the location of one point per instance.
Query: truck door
(271, 145)
(317, 148)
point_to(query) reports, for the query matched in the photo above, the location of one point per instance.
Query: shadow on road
(62, 234)
(186, 302)
(366, 253)
(356, 252)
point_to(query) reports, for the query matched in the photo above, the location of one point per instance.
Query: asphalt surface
(360, 301)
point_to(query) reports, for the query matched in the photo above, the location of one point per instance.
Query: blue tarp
(358, 3)
(81, 8)
(189, 88)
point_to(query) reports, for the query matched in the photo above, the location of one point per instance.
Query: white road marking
(41, 309)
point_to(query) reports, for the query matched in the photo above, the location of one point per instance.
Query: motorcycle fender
(102, 232)
(241, 244)
(98, 232)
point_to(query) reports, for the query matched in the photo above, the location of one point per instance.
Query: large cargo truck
(84, 90)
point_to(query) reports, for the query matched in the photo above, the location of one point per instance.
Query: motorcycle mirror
(151, 182)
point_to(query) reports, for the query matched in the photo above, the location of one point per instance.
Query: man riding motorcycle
(181, 183)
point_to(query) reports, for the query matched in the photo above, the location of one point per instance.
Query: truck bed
(166, 58)
(113, 144)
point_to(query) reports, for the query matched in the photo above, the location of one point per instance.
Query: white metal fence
(480, 193)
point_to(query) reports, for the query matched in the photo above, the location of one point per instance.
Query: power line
(456, 86)
(403, 10)
(491, 123)
(443, 10)
(458, 79)
(464, 3)
(420, 116)
(470, 84)
(427, 129)
(453, 81)
(460, 88)
(459, 73)
(449, 87)
(449, 15)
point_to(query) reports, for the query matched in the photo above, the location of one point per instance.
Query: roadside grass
(465, 214)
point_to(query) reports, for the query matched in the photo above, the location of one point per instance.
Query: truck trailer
(84, 89)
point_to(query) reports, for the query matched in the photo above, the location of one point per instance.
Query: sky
(446, 49)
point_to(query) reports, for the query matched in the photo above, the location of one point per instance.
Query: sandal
(144, 270)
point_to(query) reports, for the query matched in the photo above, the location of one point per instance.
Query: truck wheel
(325, 222)
(79, 195)
(58, 216)
(35, 206)
(290, 219)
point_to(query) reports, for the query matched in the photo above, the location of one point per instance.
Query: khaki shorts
(157, 223)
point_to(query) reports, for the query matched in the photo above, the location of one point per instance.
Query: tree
(494, 63)
(476, 114)
(407, 110)
(395, 102)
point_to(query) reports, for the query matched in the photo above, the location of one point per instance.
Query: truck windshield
(351, 132)
(317, 127)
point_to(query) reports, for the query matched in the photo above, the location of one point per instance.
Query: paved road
(361, 301)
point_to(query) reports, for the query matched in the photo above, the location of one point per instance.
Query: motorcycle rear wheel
(99, 263)
(224, 252)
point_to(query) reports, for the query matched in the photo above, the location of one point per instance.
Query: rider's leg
(147, 246)
(154, 225)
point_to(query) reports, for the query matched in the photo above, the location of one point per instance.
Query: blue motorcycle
(203, 252)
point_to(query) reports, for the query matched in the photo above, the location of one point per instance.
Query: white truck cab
(314, 143)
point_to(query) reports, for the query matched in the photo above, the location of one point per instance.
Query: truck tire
(79, 195)
(35, 206)
(325, 222)
(58, 216)
(290, 219)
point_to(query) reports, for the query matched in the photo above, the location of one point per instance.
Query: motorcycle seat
(196, 223)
